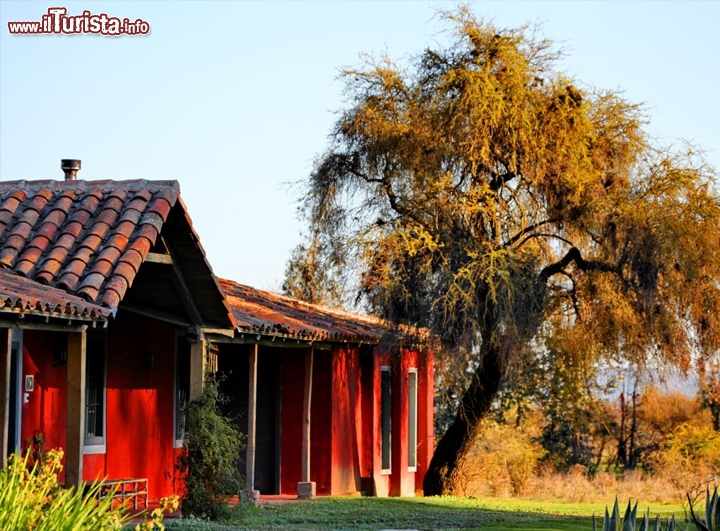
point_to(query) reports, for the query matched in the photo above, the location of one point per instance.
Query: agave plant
(712, 512)
(629, 522)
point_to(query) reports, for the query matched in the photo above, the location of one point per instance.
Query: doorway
(233, 361)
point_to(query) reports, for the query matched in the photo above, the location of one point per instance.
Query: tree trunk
(715, 412)
(454, 446)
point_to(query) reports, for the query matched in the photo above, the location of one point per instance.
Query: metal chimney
(70, 167)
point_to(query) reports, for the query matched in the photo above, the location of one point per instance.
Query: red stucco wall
(45, 411)
(426, 416)
(292, 392)
(401, 481)
(139, 401)
(381, 481)
(345, 416)
(140, 405)
(346, 422)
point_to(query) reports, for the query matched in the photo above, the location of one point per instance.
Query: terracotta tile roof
(266, 313)
(85, 237)
(20, 295)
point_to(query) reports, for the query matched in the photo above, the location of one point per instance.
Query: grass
(363, 514)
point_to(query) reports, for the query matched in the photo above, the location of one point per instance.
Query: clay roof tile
(154, 220)
(48, 270)
(11, 202)
(5, 217)
(131, 215)
(149, 232)
(108, 255)
(68, 280)
(25, 296)
(108, 216)
(23, 267)
(134, 258)
(103, 266)
(75, 225)
(22, 229)
(63, 244)
(119, 285)
(88, 237)
(90, 286)
(93, 240)
(110, 299)
(118, 241)
(145, 194)
(125, 270)
(114, 203)
(125, 228)
(138, 204)
(90, 202)
(161, 207)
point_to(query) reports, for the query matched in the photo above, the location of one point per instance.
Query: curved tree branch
(529, 228)
(574, 255)
(546, 235)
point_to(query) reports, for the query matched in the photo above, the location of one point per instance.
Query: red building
(371, 403)
(110, 314)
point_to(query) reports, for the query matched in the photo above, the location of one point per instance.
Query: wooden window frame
(96, 444)
(385, 420)
(412, 418)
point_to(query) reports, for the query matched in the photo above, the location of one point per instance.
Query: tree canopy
(478, 191)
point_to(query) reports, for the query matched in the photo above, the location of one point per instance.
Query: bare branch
(574, 255)
(529, 228)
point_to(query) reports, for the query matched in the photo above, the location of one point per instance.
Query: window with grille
(386, 417)
(95, 362)
(412, 419)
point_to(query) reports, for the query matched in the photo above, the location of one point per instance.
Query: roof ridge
(103, 184)
(370, 319)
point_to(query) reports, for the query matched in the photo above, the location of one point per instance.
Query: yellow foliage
(689, 455)
(502, 459)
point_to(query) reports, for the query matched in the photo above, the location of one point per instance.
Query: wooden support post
(5, 364)
(306, 488)
(251, 494)
(76, 362)
(198, 363)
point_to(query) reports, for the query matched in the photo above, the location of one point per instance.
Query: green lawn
(326, 514)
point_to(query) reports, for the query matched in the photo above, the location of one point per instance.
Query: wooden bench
(128, 490)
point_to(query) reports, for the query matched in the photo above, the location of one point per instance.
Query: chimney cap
(70, 164)
(70, 167)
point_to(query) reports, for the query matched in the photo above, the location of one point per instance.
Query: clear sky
(235, 99)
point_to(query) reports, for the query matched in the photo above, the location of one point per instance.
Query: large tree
(479, 192)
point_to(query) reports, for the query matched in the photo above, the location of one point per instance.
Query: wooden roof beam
(159, 258)
(183, 289)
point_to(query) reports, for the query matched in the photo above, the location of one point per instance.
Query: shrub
(503, 459)
(690, 454)
(31, 498)
(211, 456)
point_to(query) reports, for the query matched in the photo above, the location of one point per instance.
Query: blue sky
(235, 99)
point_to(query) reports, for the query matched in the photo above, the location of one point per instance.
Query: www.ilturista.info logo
(58, 22)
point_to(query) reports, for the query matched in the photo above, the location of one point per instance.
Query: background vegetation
(535, 226)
